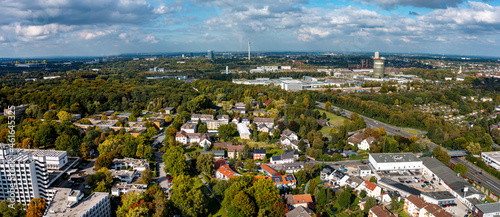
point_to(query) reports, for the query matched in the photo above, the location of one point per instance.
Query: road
(162, 178)
(478, 175)
(201, 178)
(390, 129)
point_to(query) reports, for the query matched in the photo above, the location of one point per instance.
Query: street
(478, 175)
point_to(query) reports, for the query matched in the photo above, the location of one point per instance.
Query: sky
(37, 28)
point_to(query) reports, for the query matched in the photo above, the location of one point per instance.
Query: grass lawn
(274, 152)
(334, 120)
(326, 130)
(403, 214)
(412, 131)
(254, 144)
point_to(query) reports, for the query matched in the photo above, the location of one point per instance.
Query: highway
(478, 175)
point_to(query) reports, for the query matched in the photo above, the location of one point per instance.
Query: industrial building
(395, 162)
(487, 210)
(438, 197)
(492, 158)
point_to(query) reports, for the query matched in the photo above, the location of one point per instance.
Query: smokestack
(376, 55)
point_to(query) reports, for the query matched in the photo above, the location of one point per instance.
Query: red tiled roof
(417, 201)
(238, 148)
(268, 169)
(381, 212)
(302, 198)
(226, 171)
(370, 186)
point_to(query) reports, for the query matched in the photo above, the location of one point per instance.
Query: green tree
(45, 135)
(441, 155)
(205, 164)
(302, 145)
(64, 116)
(370, 203)
(175, 162)
(362, 194)
(227, 131)
(128, 200)
(460, 168)
(203, 128)
(103, 161)
(220, 187)
(12, 210)
(146, 176)
(265, 193)
(250, 165)
(312, 186)
(373, 179)
(244, 204)
(328, 106)
(394, 203)
(187, 198)
(344, 198)
(247, 152)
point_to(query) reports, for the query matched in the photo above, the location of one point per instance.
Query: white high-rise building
(68, 202)
(22, 177)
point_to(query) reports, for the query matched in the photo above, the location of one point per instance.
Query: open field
(334, 120)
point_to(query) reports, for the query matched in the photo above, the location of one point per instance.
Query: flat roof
(58, 206)
(489, 208)
(400, 186)
(493, 154)
(363, 167)
(439, 195)
(394, 157)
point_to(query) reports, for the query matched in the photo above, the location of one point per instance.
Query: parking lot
(425, 183)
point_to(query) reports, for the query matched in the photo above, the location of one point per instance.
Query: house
(417, 207)
(189, 127)
(333, 176)
(323, 122)
(292, 167)
(202, 117)
(283, 158)
(243, 131)
(269, 122)
(169, 110)
(224, 119)
(281, 181)
(203, 139)
(269, 171)
(361, 141)
(124, 188)
(245, 121)
(289, 134)
(304, 200)
(222, 145)
(239, 105)
(233, 151)
(372, 190)
(224, 172)
(259, 154)
(125, 175)
(289, 139)
(354, 181)
(364, 170)
(300, 212)
(236, 120)
(264, 128)
(379, 211)
(126, 163)
(218, 154)
(260, 113)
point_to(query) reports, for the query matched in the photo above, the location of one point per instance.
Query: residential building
(457, 186)
(213, 124)
(379, 211)
(333, 176)
(395, 162)
(233, 151)
(372, 190)
(224, 172)
(169, 110)
(124, 188)
(417, 207)
(126, 163)
(292, 167)
(364, 170)
(53, 159)
(487, 210)
(224, 119)
(438, 197)
(245, 121)
(287, 157)
(23, 176)
(218, 154)
(323, 122)
(18, 111)
(269, 171)
(491, 158)
(203, 139)
(354, 182)
(361, 141)
(222, 145)
(243, 131)
(189, 127)
(259, 154)
(290, 135)
(269, 122)
(68, 202)
(282, 181)
(125, 175)
(304, 200)
(202, 117)
(300, 212)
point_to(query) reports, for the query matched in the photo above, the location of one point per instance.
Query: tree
(238, 164)
(128, 200)
(250, 165)
(36, 207)
(381, 131)
(175, 162)
(370, 203)
(394, 203)
(265, 193)
(328, 106)
(45, 135)
(460, 168)
(64, 116)
(226, 131)
(85, 151)
(373, 179)
(205, 164)
(302, 145)
(12, 210)
(312, 186)
(247, 152)
(187, 198)
(220, 187)
(244, 204)
(441, 155)
(103, 161)
(146, 176)
(344, 198)
(362, 194)
(202, 128)
(318, 143)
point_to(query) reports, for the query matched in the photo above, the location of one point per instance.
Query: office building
(395, 162)
(210, 54)
(491, 158)
(53, 159)
(378, 66)
(227, 56)
(68, 202)
(22, 176)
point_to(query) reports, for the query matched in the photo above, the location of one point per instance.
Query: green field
(326, 130)
(412, 131)
(334, 120)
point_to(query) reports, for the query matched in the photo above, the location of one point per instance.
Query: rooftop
(489, 208)
(363, 167)
(60, 205)
(493, 154)
(417, 201)
(381, 211)
(46, 153)
(300, 212)
(439, 195)
(394, 157)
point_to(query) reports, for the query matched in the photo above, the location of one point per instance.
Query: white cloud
(150, 39)
(163, 10)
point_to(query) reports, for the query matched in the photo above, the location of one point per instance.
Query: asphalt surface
(478, 175)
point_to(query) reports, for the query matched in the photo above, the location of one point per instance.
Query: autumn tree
(460, 168)
(36, 207)
(188, 199)
(441, 155)
(146, 176)
(328, 106)
(205, 164)
(64, 116)
(12, 210)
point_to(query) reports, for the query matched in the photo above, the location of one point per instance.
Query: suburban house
(203, 118)
(292, 167)
(333, 176)
(169, 110)
(288, 138)
(224, 172)
(300, 212)
(282, 181)
(259, 154)
(224, 119)
(323, 122)
(283, 158)
(126, 163)
(304, 200)
(364, 170)
(372, 190)
(222, 145)
(354, 181)
(379, 211)
(266, 169)
(269, 122)
(264, 128)
(203, 139)
(189, 127)
(233, 151)
(245, 121)
(360, 141)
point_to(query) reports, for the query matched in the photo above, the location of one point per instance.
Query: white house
(284, 158)
(372, 190)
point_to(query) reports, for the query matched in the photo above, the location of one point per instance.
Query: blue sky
(33, 28)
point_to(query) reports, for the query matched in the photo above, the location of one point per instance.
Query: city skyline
(100, 28)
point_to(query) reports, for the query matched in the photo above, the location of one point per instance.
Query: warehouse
(395, 162)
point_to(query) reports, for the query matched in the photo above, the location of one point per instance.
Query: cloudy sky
(31, 28)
